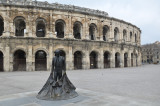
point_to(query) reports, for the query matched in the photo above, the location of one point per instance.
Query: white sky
(145, 14)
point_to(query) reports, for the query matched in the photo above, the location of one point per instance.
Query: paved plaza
(137, 86)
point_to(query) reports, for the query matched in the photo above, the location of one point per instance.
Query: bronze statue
(58, 87)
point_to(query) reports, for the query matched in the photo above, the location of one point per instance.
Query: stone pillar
(69, 28)
(111, 37)
(51, 28)
(69, 58)
(6, 59)
(50, 54)
(86, 29)
(6, 31)
(112, 59)
(29, 65)
(101, 60)
(87, 60)
(129, 59)
(122, 59)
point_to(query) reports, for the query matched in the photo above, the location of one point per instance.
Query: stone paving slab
(85, 98)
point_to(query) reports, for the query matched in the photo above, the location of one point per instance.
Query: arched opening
(116, 34)
(105, 32)
(132, 59)
(106, 60)
(124, 35)
(1, 62)
(135, 38)
(20, 26)
(19, 62)
(40, 61)
(77, 29)
(93, 60)
(1, 26)
(77, 60)
(60, 28)
(130, 36)
(40, 27)
(125, 60)
(117, 60)
(92, 31)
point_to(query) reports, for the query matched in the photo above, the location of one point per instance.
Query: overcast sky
(145, 14)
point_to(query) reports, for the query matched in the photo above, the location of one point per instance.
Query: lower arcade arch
(1, 62)
(93, 60)
(106, 60)
(40, 61)
(19, 62)
(77, 60)
(125, 60)
(117, 60)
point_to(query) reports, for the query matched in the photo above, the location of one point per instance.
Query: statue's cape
(57, 90)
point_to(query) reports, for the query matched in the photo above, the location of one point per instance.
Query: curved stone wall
(31, 31)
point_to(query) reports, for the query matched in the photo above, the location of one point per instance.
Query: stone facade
(151, 53)
(31, 31)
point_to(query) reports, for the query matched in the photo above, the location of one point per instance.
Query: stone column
(50, 54)
(51, 27)
(111, 37)
(112, 59)
(6, 31)
(6, 59)
(122, 59)
(29, 65)
(101, 60)
(86, 29)
(69, 58)
(87, 60)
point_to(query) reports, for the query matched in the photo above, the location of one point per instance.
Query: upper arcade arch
(77, 30)
(1, 26)
(60, 28)
(92, 31)
(124, 35)
(40, 27)
(116, 34)
(105, 33)
(20, 26)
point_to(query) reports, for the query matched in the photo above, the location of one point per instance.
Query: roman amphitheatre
(30, 32)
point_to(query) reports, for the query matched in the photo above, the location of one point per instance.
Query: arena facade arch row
(87, 38)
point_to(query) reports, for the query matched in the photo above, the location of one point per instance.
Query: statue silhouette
(58, 87)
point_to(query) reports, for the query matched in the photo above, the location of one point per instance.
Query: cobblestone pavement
(138, 86)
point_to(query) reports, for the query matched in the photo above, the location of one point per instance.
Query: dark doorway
(77, 30)
(1, 26)
(59, 27)
(106, 60)
(132, 59)
(40, 29)
(77, 60)
(125, 60)
(1, 62)
(92, 31)
(117, 60)
(19, 63)
(20, 26)
(41, 61)
(105, 31)
(93, 60)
